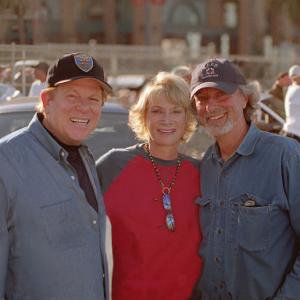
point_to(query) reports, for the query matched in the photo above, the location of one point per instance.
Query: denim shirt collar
(246, 147)
(45, 139)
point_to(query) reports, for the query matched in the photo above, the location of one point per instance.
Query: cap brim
(103, 84)
(226, 87)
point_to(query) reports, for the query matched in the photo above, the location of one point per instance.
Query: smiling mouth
(80, 121)
(166, 130)
(217, 117)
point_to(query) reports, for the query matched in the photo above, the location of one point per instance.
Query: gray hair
(252, 92)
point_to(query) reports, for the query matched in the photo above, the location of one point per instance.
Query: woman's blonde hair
(175, 90)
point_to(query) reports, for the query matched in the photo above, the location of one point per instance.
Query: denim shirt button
(219, 231)
(221, 285)
(217, 259)
(95, 225)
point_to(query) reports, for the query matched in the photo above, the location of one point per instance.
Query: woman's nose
(167, 117)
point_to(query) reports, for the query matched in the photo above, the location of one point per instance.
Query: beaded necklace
(166, 190)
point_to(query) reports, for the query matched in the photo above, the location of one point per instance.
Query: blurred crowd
(281, 97)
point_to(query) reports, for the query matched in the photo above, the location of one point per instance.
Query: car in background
(268, 116)
(112, 130)
(129, 81)
(8, 92)
(16, 79)
(23, 74)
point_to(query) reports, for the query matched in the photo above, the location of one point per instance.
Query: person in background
(53, 228)
(184, 72)
(282, 82)
(40, 74)
(276, 95)
(291, 126)
(249, 208)
(149, 192)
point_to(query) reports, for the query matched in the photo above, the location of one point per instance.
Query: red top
(151, 262)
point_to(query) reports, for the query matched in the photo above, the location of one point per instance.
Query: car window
(10, 122)
(112, 132)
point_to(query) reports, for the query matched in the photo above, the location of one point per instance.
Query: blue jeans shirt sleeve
(290, 288)
(3, 239)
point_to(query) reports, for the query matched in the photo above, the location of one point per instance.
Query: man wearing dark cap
(40, 73)
(54, 234)
(250, 194)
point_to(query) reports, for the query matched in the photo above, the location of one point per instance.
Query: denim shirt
(250, 217)
(52, 242)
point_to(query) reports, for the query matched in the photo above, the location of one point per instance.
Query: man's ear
(246, 100)
(45, 98)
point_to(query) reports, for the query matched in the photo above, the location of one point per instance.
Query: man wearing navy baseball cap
(53, 226)
(250, 200)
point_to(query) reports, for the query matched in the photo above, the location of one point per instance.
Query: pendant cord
(165, 189)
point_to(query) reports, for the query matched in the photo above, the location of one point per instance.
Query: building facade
(148, 22)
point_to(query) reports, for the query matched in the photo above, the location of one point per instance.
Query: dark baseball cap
(74, 66)
(217, 73)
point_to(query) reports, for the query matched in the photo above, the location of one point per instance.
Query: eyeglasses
(170, 221)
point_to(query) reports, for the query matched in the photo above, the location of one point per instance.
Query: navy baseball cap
(217, 73)
(74, 66)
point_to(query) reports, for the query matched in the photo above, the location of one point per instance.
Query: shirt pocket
(254, 223)
(205, 214)
(64, 225)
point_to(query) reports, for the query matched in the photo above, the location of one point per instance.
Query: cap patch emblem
(210, 70)
(84, 62)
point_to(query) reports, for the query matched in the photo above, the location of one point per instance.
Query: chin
(78, 139)
(168, 143)
(79, 135)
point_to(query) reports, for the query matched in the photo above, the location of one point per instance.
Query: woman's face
(165, 122)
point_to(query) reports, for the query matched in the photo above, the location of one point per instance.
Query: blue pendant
(170, 222)
(167, 201)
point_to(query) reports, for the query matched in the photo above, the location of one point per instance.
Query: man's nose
(82, 104)
(210, 104)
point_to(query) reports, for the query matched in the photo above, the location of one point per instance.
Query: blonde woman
(149, 191)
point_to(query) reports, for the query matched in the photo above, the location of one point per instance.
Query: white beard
(215, 131)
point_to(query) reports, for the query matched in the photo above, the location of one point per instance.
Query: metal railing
(148, 60)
